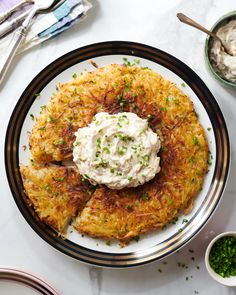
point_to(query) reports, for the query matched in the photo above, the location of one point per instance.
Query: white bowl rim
(231, 281)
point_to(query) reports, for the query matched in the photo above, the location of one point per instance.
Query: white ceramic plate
(159, 243)
(18, 282)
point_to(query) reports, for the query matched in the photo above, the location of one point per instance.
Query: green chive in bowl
(220, 258)
(208, 43)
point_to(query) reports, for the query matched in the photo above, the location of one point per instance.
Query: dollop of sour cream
(117, 150)
(224, 63)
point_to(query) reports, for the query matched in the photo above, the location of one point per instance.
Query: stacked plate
(13, 281)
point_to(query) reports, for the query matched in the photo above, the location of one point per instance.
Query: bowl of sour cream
(221, 64)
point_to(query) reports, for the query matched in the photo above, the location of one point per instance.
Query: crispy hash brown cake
(100, 211)
(56, 193)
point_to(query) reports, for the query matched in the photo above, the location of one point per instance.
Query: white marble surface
(152, 22)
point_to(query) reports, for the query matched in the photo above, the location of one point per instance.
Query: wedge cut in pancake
(56, 193)
(124, 214)
(114, 88)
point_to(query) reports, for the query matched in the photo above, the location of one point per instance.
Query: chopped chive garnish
(59, 179)
(222, 257)
(145, 196)
(136, 238)
(195, 140)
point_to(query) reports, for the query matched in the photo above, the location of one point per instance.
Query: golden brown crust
(125, 213)
(114, 88)
(56, 193)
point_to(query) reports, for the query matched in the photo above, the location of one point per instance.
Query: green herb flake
(32, 117)
(195, 140)
(183, 84)
(121, 100)
(121, 150)
(108, 243)
(145, 196)
(42, 128)
(129, 206)
(99, 143)
(209, 162)
(37, 94)
(74, 76)
(160, 270)
(184, 221)
(163, 109)
(50, 119)
(127, 86)
(42, 108)
(106, 150)
(61, 141)
(130, 178)
(77, 143)
(209, 129)
(59, 179)
(136, 238)
(47, 188)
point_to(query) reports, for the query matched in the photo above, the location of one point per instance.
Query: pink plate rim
(25, 277)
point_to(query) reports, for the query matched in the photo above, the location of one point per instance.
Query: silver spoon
(184, 19)
(9, 25)
(39, 6)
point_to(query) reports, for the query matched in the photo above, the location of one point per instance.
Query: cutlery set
(21, 25)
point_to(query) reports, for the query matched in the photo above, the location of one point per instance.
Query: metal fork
(39, 6)
(6, 14)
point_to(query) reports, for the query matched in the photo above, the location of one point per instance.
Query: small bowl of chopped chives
(220, 258)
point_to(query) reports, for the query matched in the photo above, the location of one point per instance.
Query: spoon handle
(14, 44)
(184, 19)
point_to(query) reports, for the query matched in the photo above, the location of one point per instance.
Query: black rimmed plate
(152, 246)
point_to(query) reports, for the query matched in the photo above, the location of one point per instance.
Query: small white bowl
(231, 281)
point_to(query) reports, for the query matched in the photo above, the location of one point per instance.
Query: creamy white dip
(117, 150)
(224, 63)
